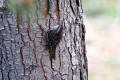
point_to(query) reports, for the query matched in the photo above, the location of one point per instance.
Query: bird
(53, 37)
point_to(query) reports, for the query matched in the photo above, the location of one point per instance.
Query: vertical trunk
(23, 55)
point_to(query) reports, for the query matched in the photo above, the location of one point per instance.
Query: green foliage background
(106, 8)
(22, 10)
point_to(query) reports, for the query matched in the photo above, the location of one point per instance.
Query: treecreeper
(52, 39)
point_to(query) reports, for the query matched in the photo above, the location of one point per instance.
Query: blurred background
(102, 20)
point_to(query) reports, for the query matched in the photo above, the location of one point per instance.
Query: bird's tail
(52, 55)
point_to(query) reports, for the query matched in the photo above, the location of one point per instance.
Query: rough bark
(23, 55)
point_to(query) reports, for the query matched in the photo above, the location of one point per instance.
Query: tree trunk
(23, 55)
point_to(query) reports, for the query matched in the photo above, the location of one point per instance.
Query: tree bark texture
(23, 55)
